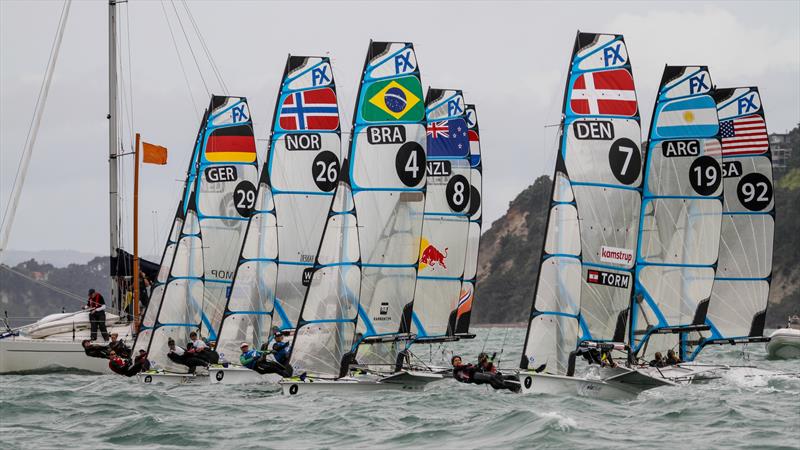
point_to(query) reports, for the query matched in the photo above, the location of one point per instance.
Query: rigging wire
(33, 128)
(180, 60)
(207, 52)
(191, 50)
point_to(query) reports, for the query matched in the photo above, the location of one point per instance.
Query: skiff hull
(171, 378)
(240, 375)
(400, 381)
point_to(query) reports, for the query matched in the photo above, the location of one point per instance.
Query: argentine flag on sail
(687, 118)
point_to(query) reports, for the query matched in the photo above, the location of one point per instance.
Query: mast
(113, 207)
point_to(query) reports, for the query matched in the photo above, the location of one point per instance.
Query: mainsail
(585, 278)
(222, 198)
(297, 183)
(681, 213)
(387, 175)
(458, 323)
(443, 247)
(741, 288)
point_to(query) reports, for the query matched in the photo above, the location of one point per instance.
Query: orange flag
(154, 154)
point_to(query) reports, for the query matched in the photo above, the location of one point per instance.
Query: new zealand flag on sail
(448, 139)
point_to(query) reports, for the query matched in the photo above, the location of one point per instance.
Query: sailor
(117, 364)
(201, 350)
(658, 360)
(591, 355)
(672, 358)
(487, 373)
(97, 314)
(256, 360)
(464, 373)
(178, 355)
(118, 346)
(606, 360)
(95, 350)
(280, 349)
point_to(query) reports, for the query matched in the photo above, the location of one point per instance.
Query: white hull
(617, 384)
(171, 378)
(685, 373)
(784, 344)
(240, 375)
(60, 352)
(540, 383)
(401, 381)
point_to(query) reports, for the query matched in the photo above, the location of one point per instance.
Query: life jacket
(117, 365)
(96, 300)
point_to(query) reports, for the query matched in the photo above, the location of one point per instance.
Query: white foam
(561, 422)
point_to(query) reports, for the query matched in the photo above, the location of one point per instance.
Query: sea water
(746, 408)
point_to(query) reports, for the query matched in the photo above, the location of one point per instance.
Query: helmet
(244, 344)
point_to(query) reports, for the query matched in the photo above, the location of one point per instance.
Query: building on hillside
(781, 151)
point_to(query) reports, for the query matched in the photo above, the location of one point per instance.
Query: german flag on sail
(231, 144)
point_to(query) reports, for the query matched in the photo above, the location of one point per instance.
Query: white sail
(445, 228)
(208, 246)
(681, 213)
(739, 298)
(585, 278)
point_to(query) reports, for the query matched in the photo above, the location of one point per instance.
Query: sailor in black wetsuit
(95, 350)
(464, 373)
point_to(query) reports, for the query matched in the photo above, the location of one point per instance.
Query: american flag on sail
(744, 135)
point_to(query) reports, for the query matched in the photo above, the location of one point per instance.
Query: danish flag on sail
(310, 110)
(608, 92)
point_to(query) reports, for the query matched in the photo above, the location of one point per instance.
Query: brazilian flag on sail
(390, 100)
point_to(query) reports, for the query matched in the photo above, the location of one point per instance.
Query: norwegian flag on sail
(310, 110)
(609, 92)
(744, 136)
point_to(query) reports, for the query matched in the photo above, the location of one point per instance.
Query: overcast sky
(510, 58)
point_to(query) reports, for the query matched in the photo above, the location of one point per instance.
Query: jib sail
(585, 278)
(445, 227)
(223, 196)
(741, 288)
(681, 213)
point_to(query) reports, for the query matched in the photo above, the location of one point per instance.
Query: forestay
(387, 172)
(459, 320)
(224, 195)
(740, 294)
(443, 247)
(584, 285)
(681, 213)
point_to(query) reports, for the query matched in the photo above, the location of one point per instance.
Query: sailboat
(444, 249)
(54, 342)
(739, 297)
(297, 184)
(681, 218)
(583, 290)
(365, 268)
(445, 228)
(215, 210)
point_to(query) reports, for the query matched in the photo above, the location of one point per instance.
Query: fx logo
(612, 54)
(697, 83)
(453, 108)
(746, 104)
(238, 114)
(402, 62)
(319, 76)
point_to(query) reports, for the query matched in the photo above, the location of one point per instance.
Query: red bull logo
(430, 256)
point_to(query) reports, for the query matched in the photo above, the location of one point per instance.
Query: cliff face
(509, 260)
